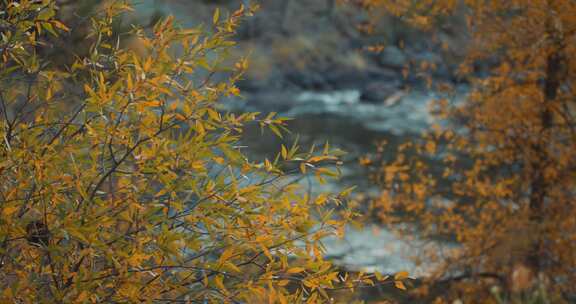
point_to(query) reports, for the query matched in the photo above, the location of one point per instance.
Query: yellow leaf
(216, 16)
(296, 270)
(214, 115)
(226, 255)
(200, 128)
(399, 285)
(59, 25)
(198, 165)
(49, 93)
(232, 267)
(284, 152)
(129, 83)
(219, 281)
(8, 211)
(282, 298)
(401, 275)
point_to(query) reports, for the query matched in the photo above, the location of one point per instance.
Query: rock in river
(378, 92)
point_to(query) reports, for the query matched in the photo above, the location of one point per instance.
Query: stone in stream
(379, 92)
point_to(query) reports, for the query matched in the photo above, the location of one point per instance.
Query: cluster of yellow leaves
(122, 182)
(497, 178)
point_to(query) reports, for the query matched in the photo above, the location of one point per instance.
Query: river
(348, 123)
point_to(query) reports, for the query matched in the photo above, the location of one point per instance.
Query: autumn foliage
(494, 181)
(121, 181)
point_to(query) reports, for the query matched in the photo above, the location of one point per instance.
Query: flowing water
(341, 119)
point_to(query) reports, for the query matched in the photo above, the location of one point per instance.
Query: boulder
(392, 57)
(379, 92)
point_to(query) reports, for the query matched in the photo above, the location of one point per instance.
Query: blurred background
(345, 78)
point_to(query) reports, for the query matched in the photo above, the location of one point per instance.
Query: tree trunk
(539, 185)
